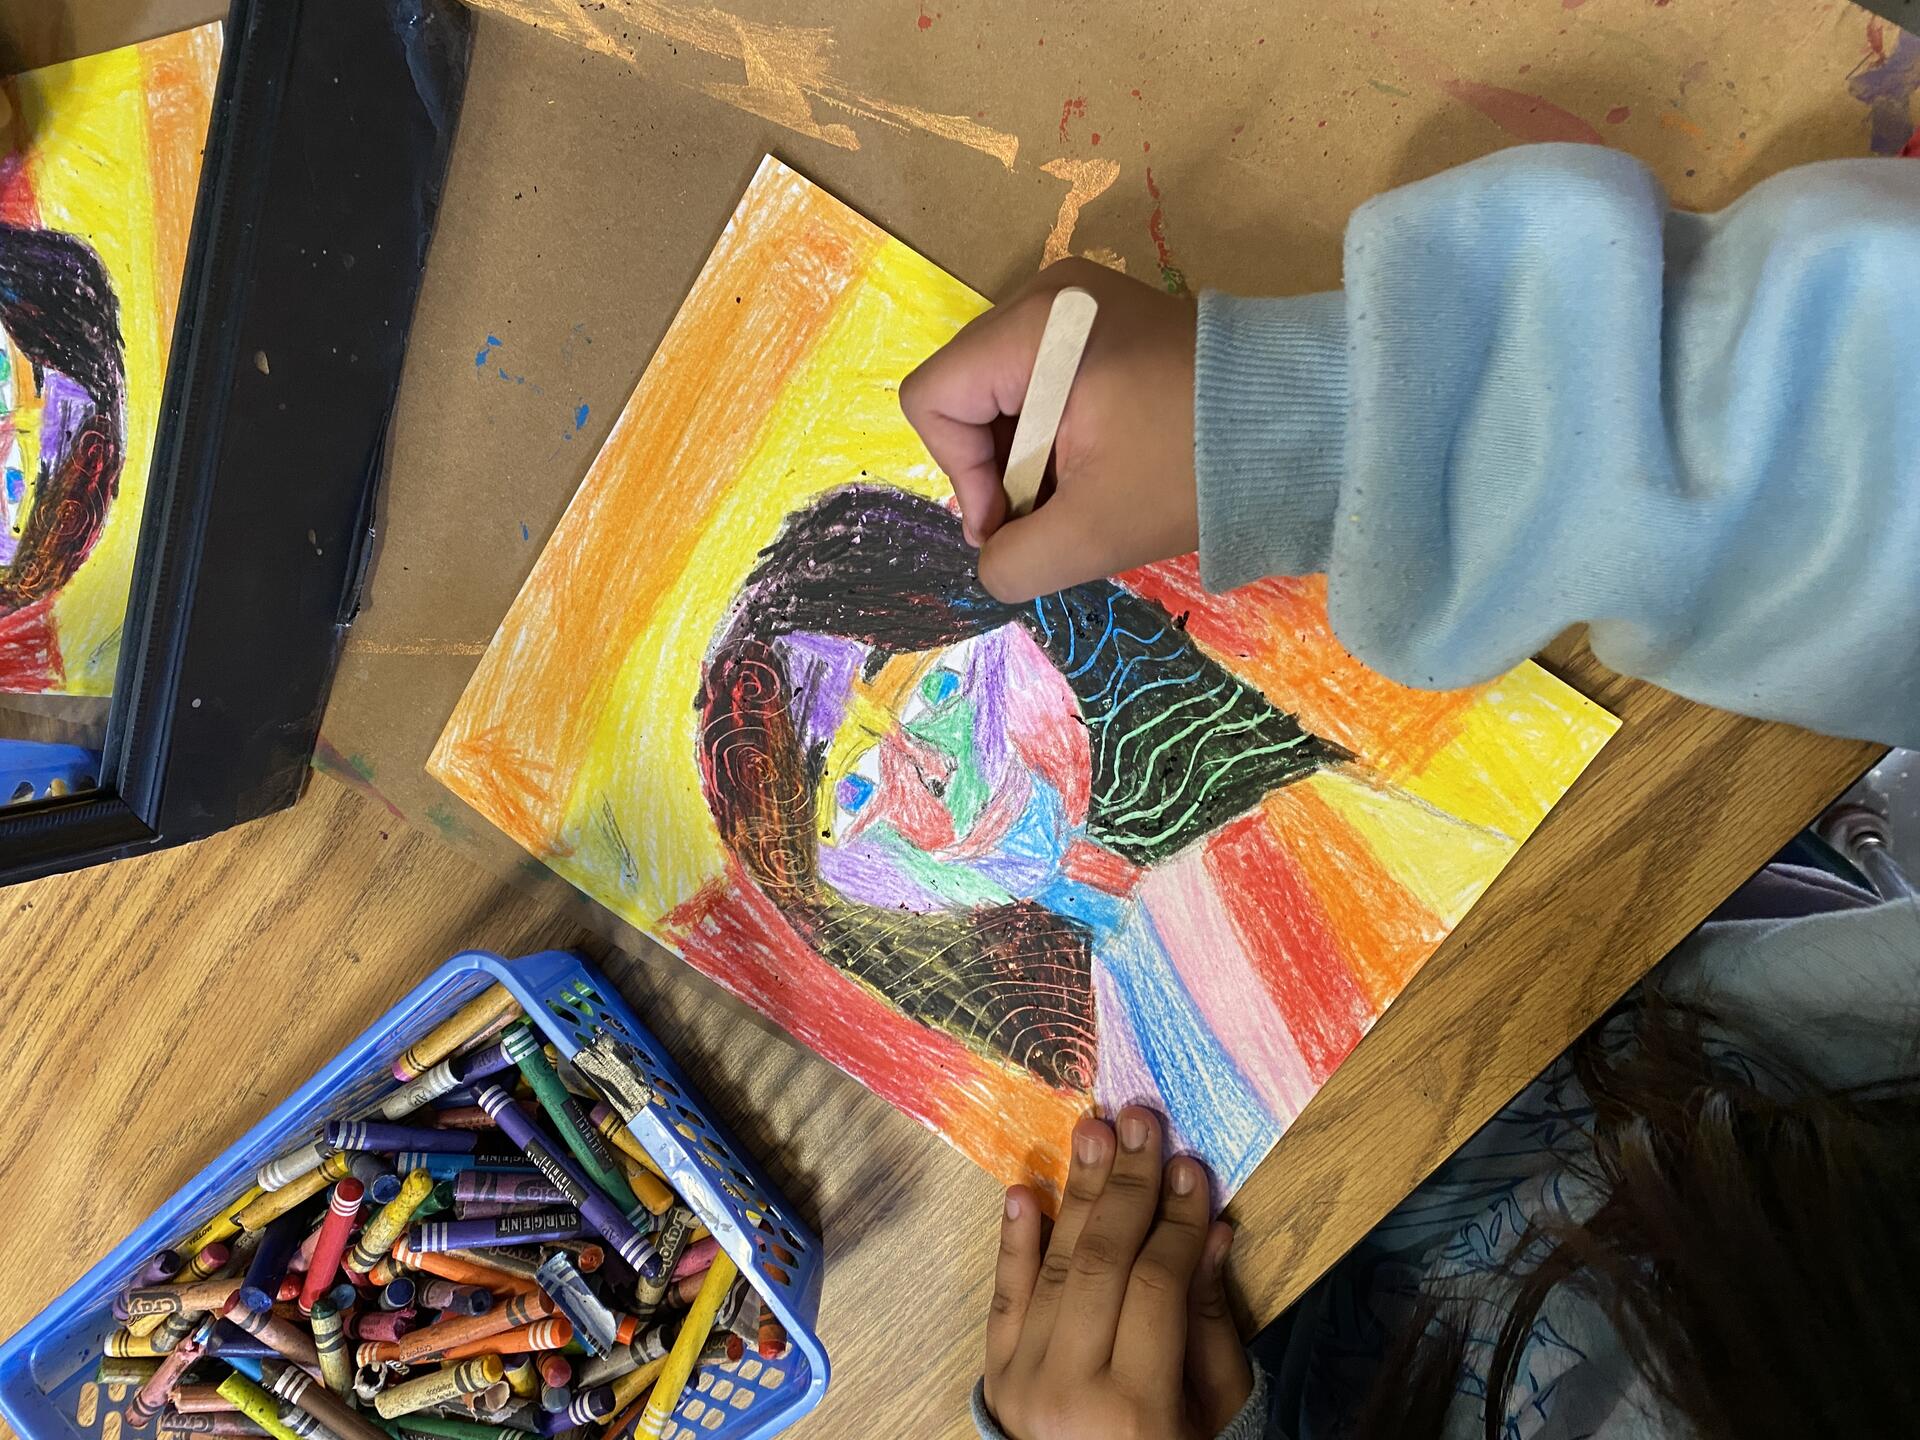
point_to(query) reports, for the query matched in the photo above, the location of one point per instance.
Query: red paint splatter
(1617, 114)
(1146, 147)
(1571, 4)
(1238, 128)
(1876, 40)
(1523, 116)
(1072, 108)
(1321, 126)
(1134, 93)
(926, 21)
(1096, 137)
(1912, 148)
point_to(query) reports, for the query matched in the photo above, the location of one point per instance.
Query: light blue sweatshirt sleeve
(1547, 397)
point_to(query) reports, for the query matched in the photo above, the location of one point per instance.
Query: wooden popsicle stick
(1061, 345)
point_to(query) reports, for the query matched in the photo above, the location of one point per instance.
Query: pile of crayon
(482, 1253)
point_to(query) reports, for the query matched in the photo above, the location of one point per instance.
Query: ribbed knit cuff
(1270, 424)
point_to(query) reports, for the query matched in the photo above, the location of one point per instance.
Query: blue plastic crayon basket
(47, 1391)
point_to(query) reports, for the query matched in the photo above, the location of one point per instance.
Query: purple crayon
(440, 1235)
(374, 1135)
(482, 1063)
(582, 1408)
(500, 1188)
(598, 1211)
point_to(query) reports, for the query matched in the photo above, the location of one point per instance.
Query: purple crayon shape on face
(436, 1236)
(384, 1138)
(600, 1212)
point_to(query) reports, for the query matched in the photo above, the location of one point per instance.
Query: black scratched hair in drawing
(1171, 761)
(57, 304)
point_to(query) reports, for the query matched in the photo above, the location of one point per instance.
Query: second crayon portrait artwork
(1131, 843)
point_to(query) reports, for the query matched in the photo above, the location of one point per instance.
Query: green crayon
(330, 1344)
(594, 1157)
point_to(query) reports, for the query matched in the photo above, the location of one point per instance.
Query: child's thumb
(1039, 553)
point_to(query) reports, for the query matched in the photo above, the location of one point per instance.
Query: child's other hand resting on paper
(1116, 1327)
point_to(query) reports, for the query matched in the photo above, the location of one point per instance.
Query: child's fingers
(1013, 1276)
(1086, 1181)
(1050, 549)
(1151, 1341)
(1218, 1374)
(1104, 1255)
(958, 392)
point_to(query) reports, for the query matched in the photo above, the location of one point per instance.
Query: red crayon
(555, 1370)
(772, 1342)
(387, 1325)
(201, 1399)
(343, 1207)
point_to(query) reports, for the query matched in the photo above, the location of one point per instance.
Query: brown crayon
(164, 1300)
(301, 1389)
(196, 1399)
(482, 1372)
(174, 1422)
(282, 1334)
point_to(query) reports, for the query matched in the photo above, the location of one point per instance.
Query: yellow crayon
(630, 1386)
(223, 1226)
(450, 1034)
(522, 1378)
(469, 1377)
(269, 1205)
(123, 1346)
(686, 1350)
(615, 1129)
(388, 1224)
(254, 1403)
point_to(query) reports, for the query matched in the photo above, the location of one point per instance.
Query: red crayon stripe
(1290, 943)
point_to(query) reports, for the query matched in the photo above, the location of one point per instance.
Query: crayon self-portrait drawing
(1133, 843)
(96, 202)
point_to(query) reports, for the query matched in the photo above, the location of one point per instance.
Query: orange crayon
(550, 1334)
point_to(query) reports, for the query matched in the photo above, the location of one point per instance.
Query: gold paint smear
(1086, 180)
(417, 647)
(787, 67)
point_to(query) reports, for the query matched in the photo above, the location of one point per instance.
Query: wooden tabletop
(134, 995)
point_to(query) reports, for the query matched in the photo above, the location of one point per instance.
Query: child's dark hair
(1758, 1252)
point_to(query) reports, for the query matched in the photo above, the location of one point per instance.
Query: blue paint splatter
(525, 534)
(16, 487)
(486, 352)
(580, 416)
